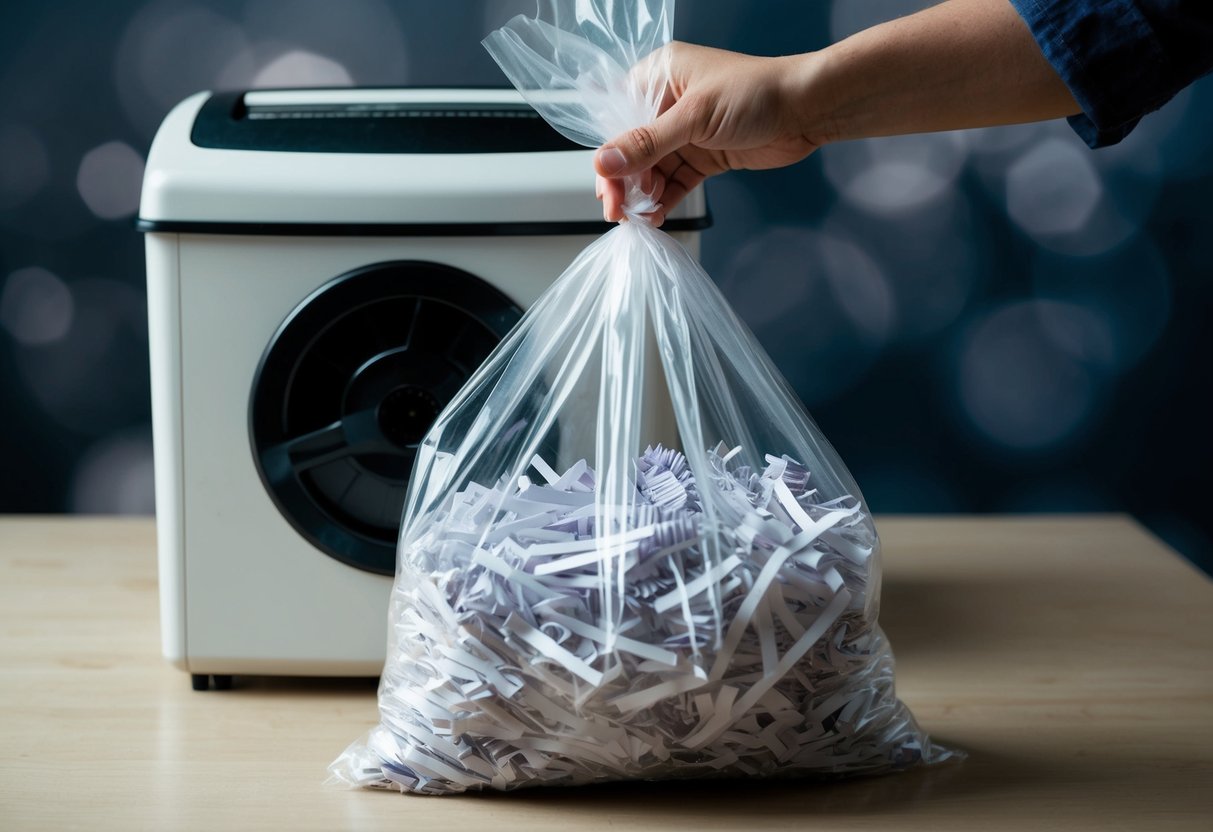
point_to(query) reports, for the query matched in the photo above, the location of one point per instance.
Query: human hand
(721, 111)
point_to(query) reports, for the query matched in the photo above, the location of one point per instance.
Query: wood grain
(1070, 657)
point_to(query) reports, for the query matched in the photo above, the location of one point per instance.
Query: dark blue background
(989, 321)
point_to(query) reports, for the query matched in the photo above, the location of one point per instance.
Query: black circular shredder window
(348, 387)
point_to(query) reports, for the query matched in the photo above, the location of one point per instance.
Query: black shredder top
(227, 122)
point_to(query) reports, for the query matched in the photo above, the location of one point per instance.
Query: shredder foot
(202, 681)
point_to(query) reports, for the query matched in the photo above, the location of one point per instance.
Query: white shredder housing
(325, 268)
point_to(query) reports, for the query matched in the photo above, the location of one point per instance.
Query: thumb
(643, 147)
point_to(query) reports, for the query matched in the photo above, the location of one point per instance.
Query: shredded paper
(745, 642)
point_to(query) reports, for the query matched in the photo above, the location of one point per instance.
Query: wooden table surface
(1070, 657)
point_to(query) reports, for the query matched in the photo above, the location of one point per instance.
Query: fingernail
(610, 160)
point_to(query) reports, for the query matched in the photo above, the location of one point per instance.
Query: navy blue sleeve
(1121, 59)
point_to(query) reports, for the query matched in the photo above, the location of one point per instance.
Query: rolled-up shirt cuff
(1110, 58)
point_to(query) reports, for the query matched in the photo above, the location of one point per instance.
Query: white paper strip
(549, 648)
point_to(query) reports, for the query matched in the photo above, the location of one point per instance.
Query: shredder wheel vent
(347, 388)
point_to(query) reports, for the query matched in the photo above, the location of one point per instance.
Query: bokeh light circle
(822, 305)
(895, 174)
(1017, 387)
(169, 51)
(115, 476)
(24, 165)
(363, 37)
(300, 68)
(93, 379)
(109, 179)
(1052, 189)
(1125, 296)
(1070, 199)
(36, 307)
(932, 260)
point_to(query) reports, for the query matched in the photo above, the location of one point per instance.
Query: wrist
(808, 100)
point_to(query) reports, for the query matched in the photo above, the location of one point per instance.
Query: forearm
(963, 63)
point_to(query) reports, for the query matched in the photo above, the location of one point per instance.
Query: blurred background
(988, 321)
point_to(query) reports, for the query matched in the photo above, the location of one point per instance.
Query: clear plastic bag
(574, 601)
